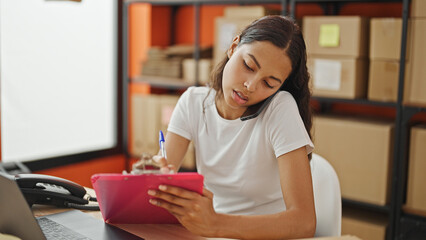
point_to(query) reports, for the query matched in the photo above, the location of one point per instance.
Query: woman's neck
(227, 112)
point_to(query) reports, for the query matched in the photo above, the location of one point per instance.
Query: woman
(251, 132)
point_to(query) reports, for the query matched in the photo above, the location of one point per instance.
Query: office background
(108, 65)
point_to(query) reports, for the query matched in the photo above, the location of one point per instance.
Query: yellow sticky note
(329, 35)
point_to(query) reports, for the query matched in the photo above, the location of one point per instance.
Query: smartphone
(254, 110)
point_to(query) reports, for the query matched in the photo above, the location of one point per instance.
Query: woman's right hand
(164, 166)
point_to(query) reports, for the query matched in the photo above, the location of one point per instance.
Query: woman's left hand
(194, 211)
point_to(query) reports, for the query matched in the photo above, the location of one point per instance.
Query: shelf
(354, 101)
(163, 82)
(412, 227)
(365, 206)
(345, 1)
(188, 2)
(415, 108)
(243, 2)
(201, 2)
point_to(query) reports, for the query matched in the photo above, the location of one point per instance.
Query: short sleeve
(180, 120)
(285, 126)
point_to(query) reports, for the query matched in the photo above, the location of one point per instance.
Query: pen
(161, 142)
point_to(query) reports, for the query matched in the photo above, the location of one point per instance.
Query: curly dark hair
(284, 33)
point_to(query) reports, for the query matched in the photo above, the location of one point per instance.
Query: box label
(327, 74)
(329, 35)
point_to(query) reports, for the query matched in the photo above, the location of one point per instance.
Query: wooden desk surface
(146, 231)
(151, 231)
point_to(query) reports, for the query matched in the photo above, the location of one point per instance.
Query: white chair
(328, 200)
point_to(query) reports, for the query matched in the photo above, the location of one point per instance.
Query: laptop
(16, 219)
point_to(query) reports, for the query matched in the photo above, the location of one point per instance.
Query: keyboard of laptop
(53, 230)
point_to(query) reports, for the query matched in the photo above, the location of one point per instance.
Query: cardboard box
(383, 81)
(248, 12)
(145, 124)
(225, 31)
(385, 38)
(204, 69)
(150, 114)
(364, 225)
(416, 179)
(338, 77)
(418, 9)
(336, 35)
(360, 151)
(415, 84)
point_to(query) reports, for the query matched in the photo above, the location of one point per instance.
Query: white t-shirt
(239, 158)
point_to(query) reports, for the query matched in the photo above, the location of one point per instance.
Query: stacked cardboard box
(235, 19)
(150, 114)
(385, 50)
(161, 64)
(204, 69)
(337, 48)
(415, 81)
(145, 122)
(360, 151)
(418, 9)
(167, 62)
(416, 194)
(365, 225)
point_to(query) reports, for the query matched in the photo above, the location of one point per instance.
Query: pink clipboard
(123, 198)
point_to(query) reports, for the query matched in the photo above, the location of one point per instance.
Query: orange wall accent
(207, 23)
(160, 31)
(139, 36)
(308, 9)
(184, 25)
(419, 118)
(352, 109)
(372, 9)
(81, 172)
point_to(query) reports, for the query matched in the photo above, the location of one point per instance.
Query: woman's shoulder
(281, 104)
(196, 93)
(283, 98)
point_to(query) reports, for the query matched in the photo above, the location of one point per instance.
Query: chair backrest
(328, 200)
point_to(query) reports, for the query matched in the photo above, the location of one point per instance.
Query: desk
(151, 231)
(146, 231)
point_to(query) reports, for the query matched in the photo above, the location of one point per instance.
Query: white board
(58, 77)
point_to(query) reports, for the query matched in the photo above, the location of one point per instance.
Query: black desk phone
(50, 190)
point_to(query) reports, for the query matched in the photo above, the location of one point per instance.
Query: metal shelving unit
(400, 224)
(406, 226)
(163, 82)
(355, 101)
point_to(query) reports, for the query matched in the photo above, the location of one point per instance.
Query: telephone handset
(254, 110)
(50, 190)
